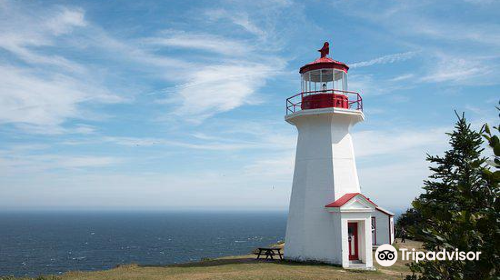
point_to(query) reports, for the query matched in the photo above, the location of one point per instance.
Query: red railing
(347, 99)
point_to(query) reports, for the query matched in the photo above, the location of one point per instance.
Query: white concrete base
(325, 170)
(359, 266)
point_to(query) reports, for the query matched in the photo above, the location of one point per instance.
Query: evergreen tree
(407, 220)
(489, 223)
(460, 209)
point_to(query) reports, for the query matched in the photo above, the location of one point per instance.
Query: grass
(237, 268)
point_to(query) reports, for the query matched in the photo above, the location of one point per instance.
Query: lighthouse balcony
(329, 98)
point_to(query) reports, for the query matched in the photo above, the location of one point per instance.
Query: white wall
(383, 229)
(364, 237)
(324, 171)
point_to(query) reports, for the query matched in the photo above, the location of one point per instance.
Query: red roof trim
(343, 200)
(346, 198)
(324, 63)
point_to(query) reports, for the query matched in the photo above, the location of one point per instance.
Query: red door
(352, 237)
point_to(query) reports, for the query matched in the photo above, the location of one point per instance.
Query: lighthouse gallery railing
(349, 100)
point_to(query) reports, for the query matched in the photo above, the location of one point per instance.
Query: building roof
(324, 63)
(346, 198)
(384, 211)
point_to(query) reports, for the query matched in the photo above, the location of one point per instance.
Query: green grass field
(239, 268)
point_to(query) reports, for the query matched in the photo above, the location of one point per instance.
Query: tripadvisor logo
(387, 255)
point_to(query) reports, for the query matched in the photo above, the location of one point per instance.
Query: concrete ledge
(332, 110)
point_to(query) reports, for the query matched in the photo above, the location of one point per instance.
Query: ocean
(33, 244)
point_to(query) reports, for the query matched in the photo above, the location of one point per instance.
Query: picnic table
(270, 253)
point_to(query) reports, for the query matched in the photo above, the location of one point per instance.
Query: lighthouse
(329, 219)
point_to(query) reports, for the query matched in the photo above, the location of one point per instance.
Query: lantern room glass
(324, 79)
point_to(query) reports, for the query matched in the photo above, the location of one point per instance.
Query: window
(316, 80)
(374, 230)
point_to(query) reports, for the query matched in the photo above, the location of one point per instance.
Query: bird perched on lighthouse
(325, 50)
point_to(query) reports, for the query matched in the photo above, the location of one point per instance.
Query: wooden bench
(269, 253)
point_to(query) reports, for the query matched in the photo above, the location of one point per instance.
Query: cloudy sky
(161, 105)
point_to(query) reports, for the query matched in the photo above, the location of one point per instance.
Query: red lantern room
(324, 85)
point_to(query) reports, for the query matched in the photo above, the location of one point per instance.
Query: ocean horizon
(50, 242)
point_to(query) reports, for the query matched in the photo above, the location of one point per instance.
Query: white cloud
(240, 136)
(272, 168)
(22, 31)
(386, 59)
(453, 50)
(461, 70)
(239, 18)
(219, 84)
(142, 191)
(403, 77)
(220, 88)
(227, 77)
(66, 20)
(207, 42)
(369, 84)
(234, 69)
(206, 145)
(44, 103)
(398, 143)
(472, 33)
(391, 163)
(54, 88)
(15, 163)
(395, 185)
(39, 96)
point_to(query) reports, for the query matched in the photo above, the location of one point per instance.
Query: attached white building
(329, 219)
(382, 226)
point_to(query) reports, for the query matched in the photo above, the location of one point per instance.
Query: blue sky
(163, 105)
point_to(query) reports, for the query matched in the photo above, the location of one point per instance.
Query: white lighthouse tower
(329, 219)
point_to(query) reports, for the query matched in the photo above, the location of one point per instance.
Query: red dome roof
(324, 63)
